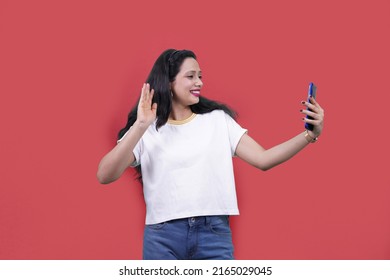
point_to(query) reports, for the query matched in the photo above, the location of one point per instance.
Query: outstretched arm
(250, 151)
(121, 156)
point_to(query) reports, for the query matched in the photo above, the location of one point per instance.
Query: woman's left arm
(251, 152)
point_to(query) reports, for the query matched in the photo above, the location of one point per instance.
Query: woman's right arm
(114, 163)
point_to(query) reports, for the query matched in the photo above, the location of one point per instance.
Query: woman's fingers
(312, 121)
(309, 113)
(316, 114)
(154, 108)
(310, 106)
(315, 103)
(149, 94)
(314, 106)
(146, 112)
(146, 92)
(146, 96)
(142, 97)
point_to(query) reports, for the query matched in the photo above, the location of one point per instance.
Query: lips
(195, 92)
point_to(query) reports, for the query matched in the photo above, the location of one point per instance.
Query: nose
(199, 83)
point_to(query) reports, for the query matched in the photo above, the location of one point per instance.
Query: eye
(192, 76)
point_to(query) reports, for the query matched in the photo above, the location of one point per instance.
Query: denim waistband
(198, 220)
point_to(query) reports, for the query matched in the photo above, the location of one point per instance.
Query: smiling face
(187, 84)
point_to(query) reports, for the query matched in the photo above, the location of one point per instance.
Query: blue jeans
(195, 238)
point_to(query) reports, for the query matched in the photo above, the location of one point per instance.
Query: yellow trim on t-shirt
(179, 122)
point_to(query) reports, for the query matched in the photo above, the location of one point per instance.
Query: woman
(182, 146)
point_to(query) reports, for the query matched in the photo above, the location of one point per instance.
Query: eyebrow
(193, 71)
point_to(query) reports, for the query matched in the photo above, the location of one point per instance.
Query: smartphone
(311, 93)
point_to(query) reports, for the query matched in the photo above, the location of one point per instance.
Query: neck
(179, 114)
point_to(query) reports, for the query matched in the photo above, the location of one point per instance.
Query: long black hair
(164, 72)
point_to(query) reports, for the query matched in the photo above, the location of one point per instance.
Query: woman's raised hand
(146, 112)
(317, 113)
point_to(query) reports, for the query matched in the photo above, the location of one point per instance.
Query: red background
(71, 71)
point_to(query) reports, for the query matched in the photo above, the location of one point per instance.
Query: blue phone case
(312, 92)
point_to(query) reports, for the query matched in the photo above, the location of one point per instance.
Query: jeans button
(193, 219)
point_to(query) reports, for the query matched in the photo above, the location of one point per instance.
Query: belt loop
(208, 220)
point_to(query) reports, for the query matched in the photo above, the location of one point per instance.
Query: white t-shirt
(187, 167)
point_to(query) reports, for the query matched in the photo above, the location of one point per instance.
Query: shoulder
(215, 117)
(217, 113)
(218, 116)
